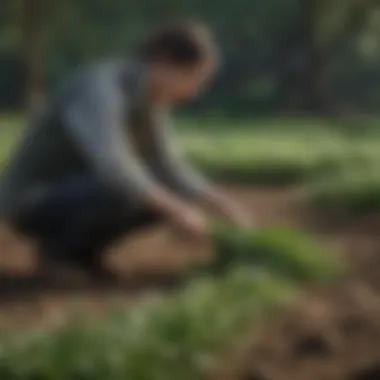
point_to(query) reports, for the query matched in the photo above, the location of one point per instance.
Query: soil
(329, 334)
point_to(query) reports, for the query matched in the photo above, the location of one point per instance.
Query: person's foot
(53, 263)
(98, 272)
(58, 272)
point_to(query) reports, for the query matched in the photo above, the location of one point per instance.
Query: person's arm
(187, 181)
(95, 120)
(170, 163)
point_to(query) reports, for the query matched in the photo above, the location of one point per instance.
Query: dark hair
(183, 44)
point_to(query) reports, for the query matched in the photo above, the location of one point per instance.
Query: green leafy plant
(283, 251)
(161, 338)
(357, 190)
(178, 336)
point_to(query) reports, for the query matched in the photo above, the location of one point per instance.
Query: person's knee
(29, 213)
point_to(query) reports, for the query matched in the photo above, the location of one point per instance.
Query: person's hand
(237, 216)
(230, 210)
(190, 223)
(186, 219)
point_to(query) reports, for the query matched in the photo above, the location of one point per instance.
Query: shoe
(89, 264)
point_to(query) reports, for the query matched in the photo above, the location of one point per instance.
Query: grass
(340, 161)
(261, 157)
(181, 336)
(165, 338)
(355, 191)
(284, 251)
(260, 152)
(275, 157)
(10, 127)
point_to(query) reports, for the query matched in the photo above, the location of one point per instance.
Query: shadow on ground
(15, 288)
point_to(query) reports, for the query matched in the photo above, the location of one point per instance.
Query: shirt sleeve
(96, 121)
(170, 162)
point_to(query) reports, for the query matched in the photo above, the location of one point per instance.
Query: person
(100, 159)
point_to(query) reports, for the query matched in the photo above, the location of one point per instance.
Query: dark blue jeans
(77, 218)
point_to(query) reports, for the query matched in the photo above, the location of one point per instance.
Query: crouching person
(100, 161)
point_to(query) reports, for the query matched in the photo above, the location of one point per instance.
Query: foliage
(269, 47)
(354, 191)
(166, 338)
(261, 151)
(174, 337)
(274, 153)
(286, 252)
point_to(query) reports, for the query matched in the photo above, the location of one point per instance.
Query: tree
(32, 20)
(329, 27)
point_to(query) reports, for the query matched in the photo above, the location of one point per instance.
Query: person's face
(178, 84)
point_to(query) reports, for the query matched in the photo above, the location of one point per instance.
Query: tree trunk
(318, 98)
(32, 21)
(314, 81)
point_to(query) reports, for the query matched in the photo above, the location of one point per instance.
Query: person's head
(179, 59)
